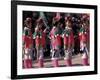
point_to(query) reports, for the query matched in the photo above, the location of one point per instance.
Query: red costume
(37, 38)
(83, 45)
(68, 38)
(58, 42)
(68, 45)
(40, 40)
(53, 43)
(28, 42)
(83, 37)
(43, 39)
(52, 36)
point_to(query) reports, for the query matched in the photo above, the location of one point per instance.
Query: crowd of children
(61, 37)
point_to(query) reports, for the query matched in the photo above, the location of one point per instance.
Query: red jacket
(83, 37)
(58, 40)
(52, 36)
(37, 41)
(65, 40)
(43, 39)
(69, 39)
(28, 41)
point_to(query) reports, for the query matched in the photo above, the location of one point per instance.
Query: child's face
(84, 25)
(68, 23)
(30, 25)
(28, 22)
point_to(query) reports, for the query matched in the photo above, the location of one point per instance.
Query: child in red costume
(83, 37)
(40, 41)
(83, 43)
(55, 37)
(28, 44)
(53, 44)
(36, 36)
(53, 41)
(58, 41)
(68, 40)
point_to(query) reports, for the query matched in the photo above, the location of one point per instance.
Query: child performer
(55, 43)
(28, 42)
(38, 36)
(83, 44)
(58, 39)
(68, 39)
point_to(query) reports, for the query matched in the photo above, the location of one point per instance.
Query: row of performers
(39, 39)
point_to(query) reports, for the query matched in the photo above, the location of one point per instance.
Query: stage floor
(76, 61)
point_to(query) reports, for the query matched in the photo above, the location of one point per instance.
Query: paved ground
(76, 61)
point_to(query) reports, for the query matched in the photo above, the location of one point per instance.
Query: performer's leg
(53, 53)
(68, 57)
(86, 50)
(54, 59)
(23, 53)
(82, 47)
(41, 54)
(85, 56)
(41, 58)
(30, 58)
(59, 52)
(25, 61)
(37, 50)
